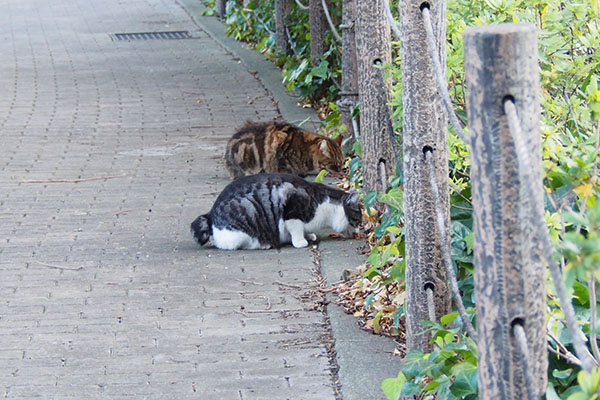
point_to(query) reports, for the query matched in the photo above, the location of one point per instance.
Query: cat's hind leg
(226, 239)
(296, 229)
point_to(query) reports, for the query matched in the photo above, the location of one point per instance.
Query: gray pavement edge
(364, 359)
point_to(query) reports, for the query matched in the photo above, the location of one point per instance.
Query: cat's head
(329, 154)
(352, 208)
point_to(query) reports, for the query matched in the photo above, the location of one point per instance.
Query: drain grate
(151, 35)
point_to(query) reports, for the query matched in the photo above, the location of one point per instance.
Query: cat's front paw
(299, 243)
(312, 237)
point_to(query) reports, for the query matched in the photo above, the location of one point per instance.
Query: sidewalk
(110, 150)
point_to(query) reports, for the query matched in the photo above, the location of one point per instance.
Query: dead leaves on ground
(374, 305)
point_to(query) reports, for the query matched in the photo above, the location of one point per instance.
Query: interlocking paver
(109, 150)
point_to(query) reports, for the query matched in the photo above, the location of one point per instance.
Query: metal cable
(291, 42)
(521, 339)
(302, 6)
(382, 175)
(264, 25)
(390, 17)
(524, 170)
(328, 16)
(430, 303)
(388, 117)
(441, 80)
(445, 250)
(355, 129)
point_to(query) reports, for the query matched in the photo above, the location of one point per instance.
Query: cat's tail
(201, 229)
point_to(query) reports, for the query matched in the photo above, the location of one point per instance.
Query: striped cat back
(281, 147)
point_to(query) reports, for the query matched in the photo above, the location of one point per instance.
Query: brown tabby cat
(281, 147)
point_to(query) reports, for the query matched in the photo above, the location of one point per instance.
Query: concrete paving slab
(110, 150)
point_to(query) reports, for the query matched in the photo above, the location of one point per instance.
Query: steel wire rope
(329, 21)
(524, 168)
(388, 117)
(393, 23)
(521, 339)
(302, 6)
(440, 80)
(445, 251)
(430, 303)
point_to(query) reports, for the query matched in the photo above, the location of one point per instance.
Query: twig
(241, 313)
(250, 282)
(118, 213)
(457, 190)
(562, 351)
(268, 302)
(98, 178)
(288, 285)
(567, 356)
(461, 208)
(57, 266)
(328, 290)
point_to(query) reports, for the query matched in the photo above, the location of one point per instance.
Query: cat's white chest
(328, 215)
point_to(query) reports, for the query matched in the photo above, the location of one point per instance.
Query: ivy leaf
(394, 198)
(392, 387)
(448, 318)
(465, 383)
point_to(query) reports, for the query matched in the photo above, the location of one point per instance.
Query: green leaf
(564, 374)
(551, 393)
(581, 293)
(392, 387)
(448, 318)
(319, 178)
(465, 383)
(394, 198)
(579, 396)
(469, 241)
(368, 300)
(320, 70)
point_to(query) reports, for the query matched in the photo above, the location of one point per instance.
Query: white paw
(300, 243)
(312, 237)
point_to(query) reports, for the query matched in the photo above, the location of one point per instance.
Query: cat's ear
(338, 139)
(352, 197)
(324, 148)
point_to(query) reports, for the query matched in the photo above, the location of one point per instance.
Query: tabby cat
(281, 147)
(267, 210)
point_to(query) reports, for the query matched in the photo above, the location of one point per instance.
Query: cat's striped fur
(267, 210)
(281, 147)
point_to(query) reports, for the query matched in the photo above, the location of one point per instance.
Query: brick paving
(109, 150)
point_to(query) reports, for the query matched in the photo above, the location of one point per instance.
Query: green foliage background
(569, 60)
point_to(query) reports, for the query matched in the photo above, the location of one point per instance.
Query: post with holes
(220, 8)
(318, 29)
(501, 70)
(425, 130)
(374, 50)
(282, 7)
(349, 94)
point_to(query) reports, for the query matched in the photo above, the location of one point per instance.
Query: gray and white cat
(267, 210)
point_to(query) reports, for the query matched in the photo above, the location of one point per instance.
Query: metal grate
(152, 35)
